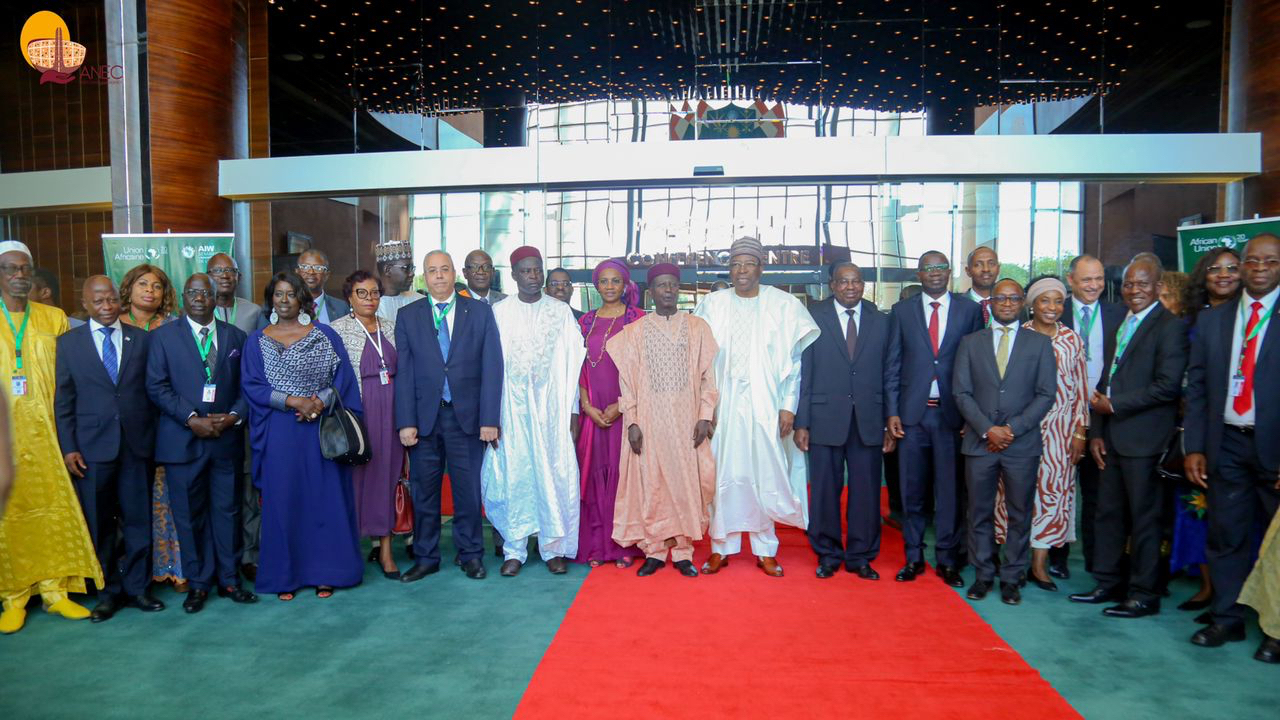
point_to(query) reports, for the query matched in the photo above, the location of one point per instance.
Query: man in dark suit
(1230, 433)
(840, 422)
(1096, 323)
(106, 428)
(1133, 415)
(193, 376)
(924, 334)
(1005, 381)
(448, 393)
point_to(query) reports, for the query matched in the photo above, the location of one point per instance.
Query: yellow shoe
(12, 620)
(68, 609)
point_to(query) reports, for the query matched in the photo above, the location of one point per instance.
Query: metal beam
(46, 190)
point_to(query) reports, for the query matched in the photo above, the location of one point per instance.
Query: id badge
(210, 392)
(1237, 385)
(18, 385)
(384, 376)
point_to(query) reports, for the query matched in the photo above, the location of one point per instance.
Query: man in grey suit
(1004, 384)
(313, 268)
(230, 308)
(477, 268)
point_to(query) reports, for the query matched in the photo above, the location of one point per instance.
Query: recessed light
(293, 57)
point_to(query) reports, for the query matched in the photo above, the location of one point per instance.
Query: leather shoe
(978, 590)
(650, 566)
(714, 563)
(106, 608)
(417, 572)
(558, 565)
(1133, 609)
(685, 567)
(910, 571)
(866, 572)
(237, 595)
(1218, 635)
(1096, 596)
(770, 566)
(1196, 604)
(826, 571)
(510, 568)
(145, 603)
(1060, 571)
(250, 571)
(1010, 594)
(195, 601)
(474, 569)
(1268, 650)
(949, 575)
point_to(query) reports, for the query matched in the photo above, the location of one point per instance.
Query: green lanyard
(439, 315)
(18, 334)
(1127, 330)
(146, 327)
(1244, 324)
(1086, 327)
(205, 347)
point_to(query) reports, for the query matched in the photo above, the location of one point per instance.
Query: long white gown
(760, 477)
(530, 483)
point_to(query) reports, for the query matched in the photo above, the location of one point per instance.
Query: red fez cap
(662, 269)
(524, 251)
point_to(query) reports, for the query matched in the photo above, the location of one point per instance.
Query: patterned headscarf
(630, 293)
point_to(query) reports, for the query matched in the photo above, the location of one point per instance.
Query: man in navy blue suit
(448, 396)
(840, 422)
(193, 376)
(923, 336)
(1231, 427)
(106, 428)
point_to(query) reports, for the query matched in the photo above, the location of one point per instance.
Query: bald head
(99, 298)
(478, 271)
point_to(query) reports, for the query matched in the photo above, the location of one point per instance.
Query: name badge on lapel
(209, 393)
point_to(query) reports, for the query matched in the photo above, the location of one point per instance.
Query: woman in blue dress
(292, 371)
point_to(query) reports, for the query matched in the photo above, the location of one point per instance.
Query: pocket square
(235, 353)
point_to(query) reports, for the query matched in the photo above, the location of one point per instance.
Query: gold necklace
(603, 342)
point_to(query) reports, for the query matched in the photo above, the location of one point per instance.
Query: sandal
(594, 564)
(286, 597)
(622, 563)
(324, 591)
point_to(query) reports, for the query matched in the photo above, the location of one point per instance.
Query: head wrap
(630, 293)
(524, 251)
(15, 246)
(747, 246)
(662, 269)
(1044, 285)
(400, 250)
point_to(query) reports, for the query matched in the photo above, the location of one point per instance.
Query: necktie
(109, 359)
(1244, 401)
(1086, 326)
(986, 311)
(442, 336)
(1002, 352)
(933, 327)
(851, 334)
(209, 359)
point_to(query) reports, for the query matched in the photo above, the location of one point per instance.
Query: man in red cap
(530, 475)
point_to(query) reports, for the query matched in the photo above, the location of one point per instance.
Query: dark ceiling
(334, 61)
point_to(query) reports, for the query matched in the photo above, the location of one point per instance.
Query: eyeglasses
(313, 268)
(1009, 299)
(560, 283)
(11, 269)
(846, 282)
(744, 265)
(1259, 263)
(1228, 269)
(479, 268)
(935, 267)
(223, 270)
(364, 294)
(406, 267)
(194, 293)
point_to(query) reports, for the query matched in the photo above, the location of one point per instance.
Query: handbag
(343, 438)
(404, 506)
(1170, 466)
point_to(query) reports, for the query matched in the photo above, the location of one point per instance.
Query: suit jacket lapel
(989, 354)
(865, 325)
(91, 351)
(461, 316)
(1144, 329)
(1269, 341)
(829, 320)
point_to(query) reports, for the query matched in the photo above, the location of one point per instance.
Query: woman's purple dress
(376, 481)
(599, 450)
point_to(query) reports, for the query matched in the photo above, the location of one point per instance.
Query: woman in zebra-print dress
(1062, 431)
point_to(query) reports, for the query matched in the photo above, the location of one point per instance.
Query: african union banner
(1196, 240)
(731, 121)
(180, 255)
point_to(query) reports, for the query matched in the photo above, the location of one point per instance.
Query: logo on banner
(47, 46)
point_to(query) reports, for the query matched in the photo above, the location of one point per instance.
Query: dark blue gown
(309, 533)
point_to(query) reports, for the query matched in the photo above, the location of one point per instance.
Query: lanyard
(377, 345)
(1127, 330)
(19, 334)
(1086, 327)
(205, 347)
(1244, 324)
(146, 327)
(228, 314)
(438, 315)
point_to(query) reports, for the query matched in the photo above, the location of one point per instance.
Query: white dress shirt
(843, 314)
(1243, 311)
(117, 337)
(213, 333)
(944, 304)
(996, 334)
(1096, 349)
(452, 317)
(322, 311)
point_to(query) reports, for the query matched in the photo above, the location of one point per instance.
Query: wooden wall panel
(260, 234)
(1262, 193)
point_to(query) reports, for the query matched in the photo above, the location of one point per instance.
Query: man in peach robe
(668, 475)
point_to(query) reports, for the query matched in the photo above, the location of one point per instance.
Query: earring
(275, 318)
(304, 318)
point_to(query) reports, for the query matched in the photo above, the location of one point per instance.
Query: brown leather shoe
(770, 566)
(714, 563)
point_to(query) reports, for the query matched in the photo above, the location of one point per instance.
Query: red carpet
(743, 645)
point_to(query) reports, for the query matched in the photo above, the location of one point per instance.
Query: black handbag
(1170, 467)
(343, 438)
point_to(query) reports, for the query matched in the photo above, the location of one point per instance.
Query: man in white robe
(760, 474)
(530, 480)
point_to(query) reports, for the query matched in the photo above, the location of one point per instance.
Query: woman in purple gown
(600, 440)
(370, 340)
(292, 371)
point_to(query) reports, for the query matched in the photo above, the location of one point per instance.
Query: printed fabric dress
(599, 450)
(1054, 521)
